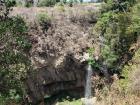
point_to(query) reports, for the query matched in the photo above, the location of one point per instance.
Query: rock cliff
(57, 51)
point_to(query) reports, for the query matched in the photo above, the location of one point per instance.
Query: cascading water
(88, 91)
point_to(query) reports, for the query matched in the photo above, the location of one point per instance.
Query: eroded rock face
(57, 57)
(51, 80)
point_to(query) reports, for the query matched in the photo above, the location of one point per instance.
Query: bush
(44, 20)
(73, 102)
(2, 100)
(14, 47)
(14, 62)
(46, 3)
(73, 1)
(60, 6)
(117, 29)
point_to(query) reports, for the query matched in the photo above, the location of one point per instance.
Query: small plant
(108, 55)
(43, 17)
(69, 102)
(2, 100)
(28, 4)
(60, 6)
(44, 20)
(14, 95)
(91, 60)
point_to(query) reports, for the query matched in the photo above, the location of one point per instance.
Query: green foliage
(5, 8)
(2, 100)
(73, 1)
(135, 26)
(28, 4)
(118, 27)
(124, 83)
(12, 57)
(10, 3)
(13, 95)
(91, 60)
(43, 17)
(14, 61)
(60, 6)
(19, 4)
(118, 6)
(11, 32)
(64, 1)
(91, 51)
(129, 70)
(44, 20)
(47, 2)
(70, 102)
(103, 22)
(108, 56)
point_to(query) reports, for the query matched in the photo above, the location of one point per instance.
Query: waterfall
(88, 90)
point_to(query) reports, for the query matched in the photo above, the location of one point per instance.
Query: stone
(89, 101)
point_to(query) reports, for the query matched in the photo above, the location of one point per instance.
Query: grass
(70, 102)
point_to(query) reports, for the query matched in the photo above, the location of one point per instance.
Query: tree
(14, 49)
(81, 1)
(116, 28)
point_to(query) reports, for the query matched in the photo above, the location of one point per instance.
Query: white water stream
(88, 89)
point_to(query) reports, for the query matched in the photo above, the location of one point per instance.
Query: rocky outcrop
(58, 61)
(57, 56)
(47, 81)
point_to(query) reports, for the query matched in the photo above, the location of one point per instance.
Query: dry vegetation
(125, 91)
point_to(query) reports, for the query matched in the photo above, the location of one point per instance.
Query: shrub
(84, 17)
(68, 102)
(124, 91)
(14, 62)
(44, 20)
(14, 47)
(116, 29)
(46, 3)
(73, 1)
(2, 100)
(60, 6)
(115, 96)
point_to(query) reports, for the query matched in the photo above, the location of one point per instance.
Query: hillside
(69, 53)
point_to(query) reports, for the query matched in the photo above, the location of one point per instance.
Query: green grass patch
(70, 102)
